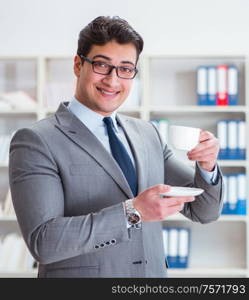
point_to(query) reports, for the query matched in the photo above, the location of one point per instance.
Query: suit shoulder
(40, 128)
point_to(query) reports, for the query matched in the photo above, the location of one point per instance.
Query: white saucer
(180, 191)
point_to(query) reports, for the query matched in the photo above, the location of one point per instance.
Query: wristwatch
(132, 215)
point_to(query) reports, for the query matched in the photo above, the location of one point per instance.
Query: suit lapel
(76, 131)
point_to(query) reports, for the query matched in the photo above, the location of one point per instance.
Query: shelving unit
(167, 90)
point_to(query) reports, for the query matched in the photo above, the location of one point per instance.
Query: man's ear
(77, 65)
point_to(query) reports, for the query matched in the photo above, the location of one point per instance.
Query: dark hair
(105, 29)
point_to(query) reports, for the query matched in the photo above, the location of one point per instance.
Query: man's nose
(112, 78)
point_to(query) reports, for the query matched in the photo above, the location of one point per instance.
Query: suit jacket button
(96, 246)
(102, 245)
(113, 241)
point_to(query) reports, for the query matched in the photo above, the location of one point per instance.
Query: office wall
(168, 26)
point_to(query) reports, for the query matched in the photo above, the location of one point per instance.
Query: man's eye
(101, 64)
(126, 69)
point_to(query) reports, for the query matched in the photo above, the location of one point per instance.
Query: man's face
(104, 93)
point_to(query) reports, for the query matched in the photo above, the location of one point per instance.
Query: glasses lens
(101, 67)
(126, 72)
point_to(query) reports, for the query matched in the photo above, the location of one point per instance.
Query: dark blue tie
(121, 156)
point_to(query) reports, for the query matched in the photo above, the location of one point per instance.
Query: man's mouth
(108, 92)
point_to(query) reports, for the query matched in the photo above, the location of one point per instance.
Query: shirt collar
(89, 117)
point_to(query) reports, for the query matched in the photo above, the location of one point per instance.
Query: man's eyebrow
(109, 59)
(102, 56)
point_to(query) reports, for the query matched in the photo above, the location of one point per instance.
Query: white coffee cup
(183, 137)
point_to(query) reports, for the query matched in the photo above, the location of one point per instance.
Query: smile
(108, 93)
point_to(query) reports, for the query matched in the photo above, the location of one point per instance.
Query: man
(86, 182)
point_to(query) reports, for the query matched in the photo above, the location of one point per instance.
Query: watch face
(133, 218)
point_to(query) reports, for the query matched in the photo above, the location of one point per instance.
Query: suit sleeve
(38, 199)
(207, 207)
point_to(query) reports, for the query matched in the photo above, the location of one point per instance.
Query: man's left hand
(206, 152)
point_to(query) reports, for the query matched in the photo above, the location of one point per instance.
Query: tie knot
(108, 121)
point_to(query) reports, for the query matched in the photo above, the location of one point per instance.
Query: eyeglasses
(101, 67)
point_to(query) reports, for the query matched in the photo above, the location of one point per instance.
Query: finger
(162, 188)
(172, 201)
(203, 155)
(207, 145)
(174, 209)
(205, 135)
(159, 188)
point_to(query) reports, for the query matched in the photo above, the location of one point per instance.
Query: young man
(86, 182)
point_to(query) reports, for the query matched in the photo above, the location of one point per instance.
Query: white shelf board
(222, 218)
(19, 112)
(18, 274)
(222, 163)
(2, 165)
(8, 218)
(232, 163)
(196, 109)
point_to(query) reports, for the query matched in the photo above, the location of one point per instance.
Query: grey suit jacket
(67, 192)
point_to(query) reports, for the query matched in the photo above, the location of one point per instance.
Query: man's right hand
(153, 207)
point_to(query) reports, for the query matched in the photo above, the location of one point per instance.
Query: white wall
(32, 27)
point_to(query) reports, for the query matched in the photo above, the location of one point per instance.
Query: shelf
(18, 112)
(222, 163)
(8, 218)
(196, 109)
(18, 274)
(4, 165)
(232, 163)
(211, 272)
(222, 218)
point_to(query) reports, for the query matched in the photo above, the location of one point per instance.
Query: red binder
(222, 82)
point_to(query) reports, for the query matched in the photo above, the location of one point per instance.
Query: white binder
(232, 139)
(212, 88)
(222, 137)
(232, 192)
(173, 246)
(183, 249)
(241, 139)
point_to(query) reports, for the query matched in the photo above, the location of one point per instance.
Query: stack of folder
(232, 139)
(234, 202)
(176, 246)
(217, 85)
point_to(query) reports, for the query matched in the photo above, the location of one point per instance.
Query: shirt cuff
(209, 177)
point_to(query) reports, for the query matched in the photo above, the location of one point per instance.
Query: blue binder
(241, 200)
(211, 85)
(222, 135)
(202, 85)
(241, 140)
(232, 85)
(183, 247)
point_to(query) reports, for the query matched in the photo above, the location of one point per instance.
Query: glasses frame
(110, 66)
